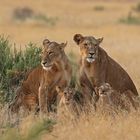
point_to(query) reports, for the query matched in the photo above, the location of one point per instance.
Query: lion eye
(50, 53)
(85, 44)
(65, 93)
(96, 45)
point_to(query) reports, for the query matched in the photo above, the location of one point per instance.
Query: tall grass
(123, 126)
(13, 66)
(29, 128)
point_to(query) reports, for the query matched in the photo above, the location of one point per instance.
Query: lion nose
(91, 53)
(44, 62)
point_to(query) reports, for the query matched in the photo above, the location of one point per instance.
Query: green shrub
(23, 13)
(74, 68)
(35, 132)
(137, 8)
(99, 8)
(14, 65)
(26, 13)
(44, 18)
(130, 19)
(45, 126)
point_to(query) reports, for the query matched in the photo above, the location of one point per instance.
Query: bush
(23, 13)
(130, 19)
(26, 13)
(74, 69)
(133, 16)
(99, 8)
(34, 132)
(14, 65)
(137, 8)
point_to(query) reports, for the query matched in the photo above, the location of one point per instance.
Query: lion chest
(92, 75)
(52, 80)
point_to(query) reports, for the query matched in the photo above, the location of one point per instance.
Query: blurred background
(118, 21)
(24, 24)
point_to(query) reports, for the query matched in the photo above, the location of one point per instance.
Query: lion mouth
(90, 59)
(46, 66)
(67, 103)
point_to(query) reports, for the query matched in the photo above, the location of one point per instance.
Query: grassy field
(59, 21)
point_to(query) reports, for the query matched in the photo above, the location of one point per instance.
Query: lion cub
(69, 100)
(112, 100)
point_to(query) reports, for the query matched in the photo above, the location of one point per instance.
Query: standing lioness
(96, 68)
(55, 70)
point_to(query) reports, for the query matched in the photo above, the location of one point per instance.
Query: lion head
(67, 94)
(88, 46)
(104, 89)
(52, 53)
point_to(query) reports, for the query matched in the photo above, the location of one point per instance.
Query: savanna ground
(61, 20)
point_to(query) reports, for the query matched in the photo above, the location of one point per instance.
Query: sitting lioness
(96, 68)
(55, 70)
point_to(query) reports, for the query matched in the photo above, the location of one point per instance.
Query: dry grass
(120, 41)
(97, 127)
(124, 126)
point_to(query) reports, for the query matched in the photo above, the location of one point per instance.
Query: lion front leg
(43, 99)
(87, 89)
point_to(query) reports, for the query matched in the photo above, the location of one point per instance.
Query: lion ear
(45, 42)
(78, 38)
(58, 89)
(63, 45)
(99, 40)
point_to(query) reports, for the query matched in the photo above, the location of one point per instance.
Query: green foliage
(130, 19)
(99, 8)
(48, 20)
(137, 8)
(72, 58)
(5, 57)
(26, 13)
(14, 64)
(23, 13)
(34, 132)
(45, 126)
(133, 16)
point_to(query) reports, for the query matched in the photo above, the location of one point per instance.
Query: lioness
(96, 68)
(55, 70)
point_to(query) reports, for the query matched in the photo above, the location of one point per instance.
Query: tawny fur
(55, 70)
(96, 68)
(69, 101)
(113, 100)
(28, 102)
